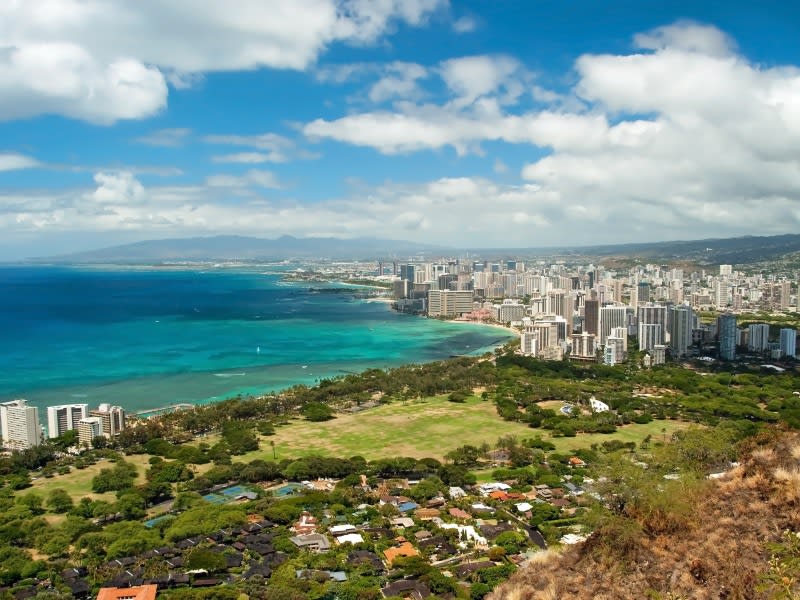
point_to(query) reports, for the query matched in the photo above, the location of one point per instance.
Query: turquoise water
(149, 338)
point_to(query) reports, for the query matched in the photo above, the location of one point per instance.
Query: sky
(502, 123)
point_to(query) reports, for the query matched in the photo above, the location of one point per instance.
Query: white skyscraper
(611, 317)
(721, 293)
(61, 419)
(788, 342)
(680, 338)
(758, 337)
(650, 335)
(19, 424)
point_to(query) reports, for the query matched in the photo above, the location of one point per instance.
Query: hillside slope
(720, 552)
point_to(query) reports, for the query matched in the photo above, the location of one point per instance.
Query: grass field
(424, 428)
(421, 428)
(78, 483)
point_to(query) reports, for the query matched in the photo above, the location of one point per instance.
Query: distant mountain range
(235, 247)
(741, 250)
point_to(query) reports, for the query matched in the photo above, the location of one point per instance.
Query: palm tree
(272, 443)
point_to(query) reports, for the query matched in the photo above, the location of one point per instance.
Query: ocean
(145, 338)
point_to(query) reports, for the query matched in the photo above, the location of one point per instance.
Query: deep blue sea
(146, 338)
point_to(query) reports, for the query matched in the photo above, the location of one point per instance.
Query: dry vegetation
(718, 550)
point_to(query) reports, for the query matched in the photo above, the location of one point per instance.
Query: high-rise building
(650, 335)
(643, 292)
(111, 417)
(510, 311)
(618, 344)
(725, 270)
(611, 317)
(64, 418)
(788, 342)
(449, 303)
(591, 317)
(652, 314)
(609, 355)
(721, 293)
(88, 429)
(680, 330)
(529, 341)
(659, 355)
(758, 337)
(584, 346)
(19, 424)
(726, 331)
(407, 273)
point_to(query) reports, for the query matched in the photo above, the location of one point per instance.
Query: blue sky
(516, 123)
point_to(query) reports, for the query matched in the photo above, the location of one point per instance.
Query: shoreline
(507, 328)
(273, 381)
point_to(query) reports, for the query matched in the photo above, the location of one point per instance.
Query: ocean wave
(229, 374)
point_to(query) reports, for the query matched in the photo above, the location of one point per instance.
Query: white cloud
(500, 167)
(473, 77)
(400, 81)
(688, 36)
(465, 25)
(683, 129)
(120, 188)
(680, 138)
(248, 158)
(105, 60)
(11, 161)
(254, 177)
(272, 148)
(61, 77)
(167, 138)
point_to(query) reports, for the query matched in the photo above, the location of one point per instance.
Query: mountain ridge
(744, 249)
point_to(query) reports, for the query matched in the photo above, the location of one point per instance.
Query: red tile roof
(142, 592)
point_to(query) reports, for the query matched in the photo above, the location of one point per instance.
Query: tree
(33, 502)
(202, 558)
(510, 541)
(131, 506)
(120, 477)
(59, 501)
(317, 411)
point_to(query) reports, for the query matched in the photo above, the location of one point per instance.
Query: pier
(163, 410)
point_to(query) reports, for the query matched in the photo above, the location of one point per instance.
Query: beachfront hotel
(64, 418)
(19, 424)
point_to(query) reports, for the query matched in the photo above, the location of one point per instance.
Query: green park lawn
(424, 428)
(431, 427)
(78, 482)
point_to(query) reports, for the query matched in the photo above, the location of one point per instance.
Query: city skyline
(516, 125)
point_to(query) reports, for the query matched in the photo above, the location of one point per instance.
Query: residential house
(142, 592)
(406, 588)
(316, 542)
(459, 514)
(305, 525)
(403, 548)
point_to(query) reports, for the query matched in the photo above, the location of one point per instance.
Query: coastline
(507, 328)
